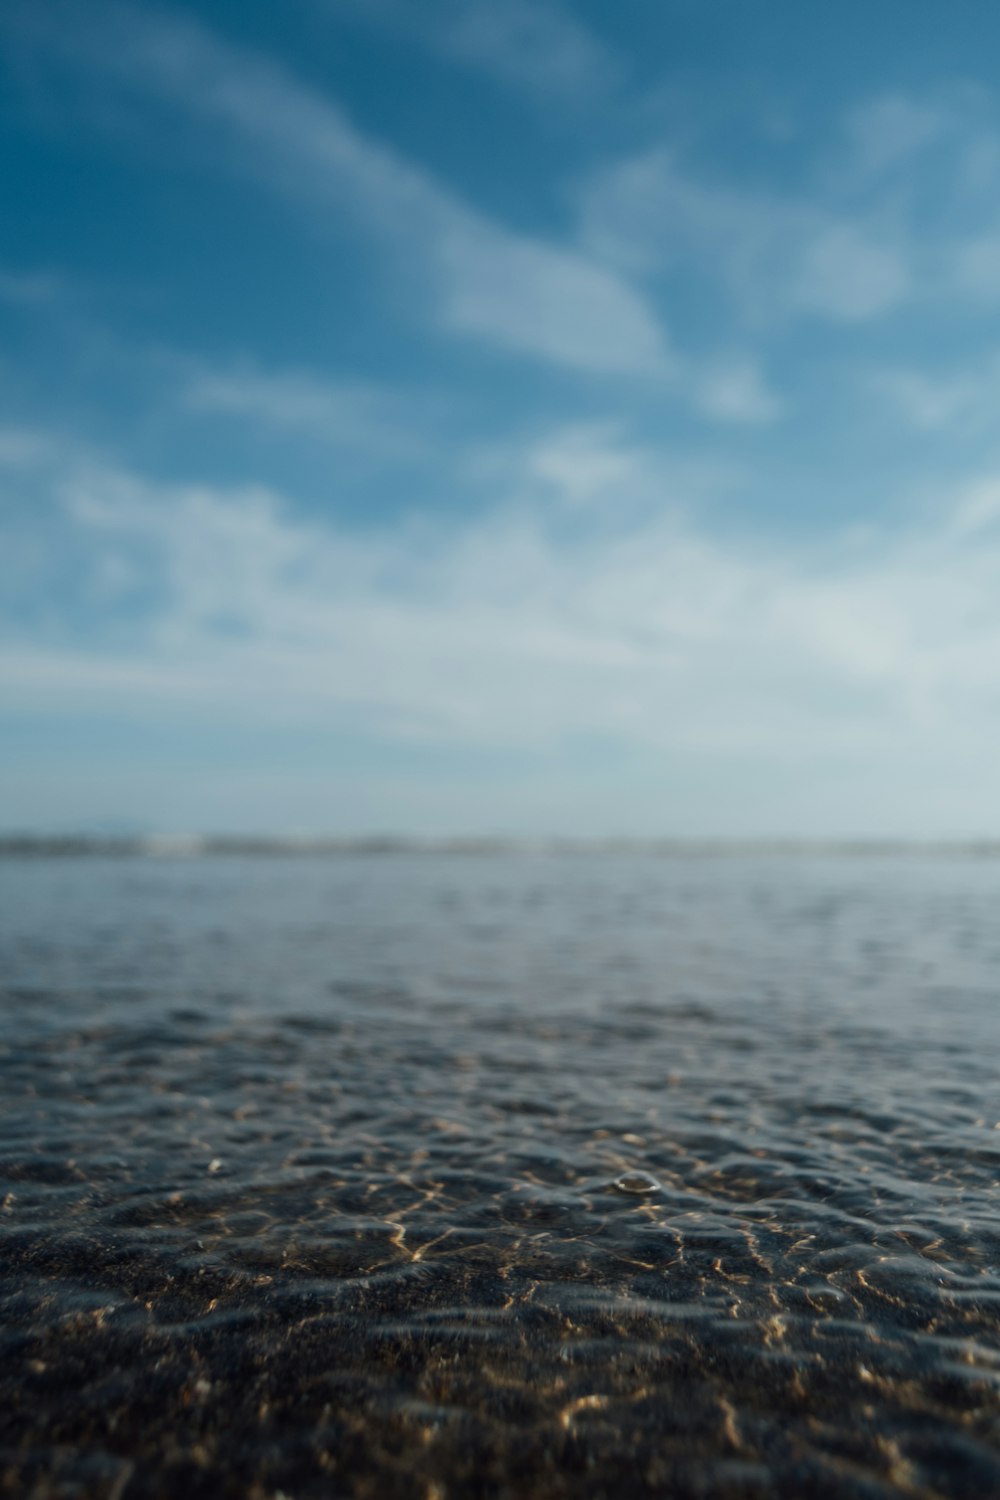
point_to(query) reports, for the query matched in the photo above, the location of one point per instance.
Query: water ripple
(500, 1213)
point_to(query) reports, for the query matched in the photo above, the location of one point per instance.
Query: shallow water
(495, 1175)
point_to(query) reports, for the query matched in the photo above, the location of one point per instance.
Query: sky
(444, 417)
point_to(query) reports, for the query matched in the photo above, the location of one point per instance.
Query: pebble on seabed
(637, 1182)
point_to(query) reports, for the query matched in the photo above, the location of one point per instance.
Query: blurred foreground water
(499, 1174)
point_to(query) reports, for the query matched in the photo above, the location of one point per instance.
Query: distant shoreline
(199, 846)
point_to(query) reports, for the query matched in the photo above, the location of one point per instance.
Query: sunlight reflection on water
(500, 1172)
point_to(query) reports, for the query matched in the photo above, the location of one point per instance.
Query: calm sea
(500, 1175)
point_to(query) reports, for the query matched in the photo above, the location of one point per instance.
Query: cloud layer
(507, 635)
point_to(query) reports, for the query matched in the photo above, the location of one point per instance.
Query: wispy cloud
(735, 389)
(976, 264)
(344, 414)
(640, 627)
(777, 256)
(31, 288)
(845, 272)
(887, 133)
(899, 207)
(514, 292)
(537, 48)
(386, 421)
(24, 448)
(963, 400)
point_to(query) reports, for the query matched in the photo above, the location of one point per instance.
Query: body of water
(500, 1174)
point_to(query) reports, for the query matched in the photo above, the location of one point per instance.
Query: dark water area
(503, 1175)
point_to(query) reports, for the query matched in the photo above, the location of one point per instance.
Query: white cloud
(898, 204)
(735, 390)
(525, 295)
(977, 265)
(887, 133)
(926, 401)
(23, 447)
(846, 274)
(517, 634)
(957, 401)
(516, 292)
(978, 511)
(30, 288)
(383, 421)
(896, 208)
(534, 45)
(365, 416)
(778, 255)
(537, 47)
(645, 214)
(584, 464)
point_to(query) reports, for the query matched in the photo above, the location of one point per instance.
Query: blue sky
(445, 416)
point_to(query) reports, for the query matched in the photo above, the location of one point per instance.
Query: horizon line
(201, 845)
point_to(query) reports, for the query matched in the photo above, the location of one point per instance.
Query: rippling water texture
(495, 1176)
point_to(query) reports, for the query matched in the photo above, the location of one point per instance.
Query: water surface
(500, 1174)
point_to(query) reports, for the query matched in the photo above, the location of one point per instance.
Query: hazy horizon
(16, 843)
